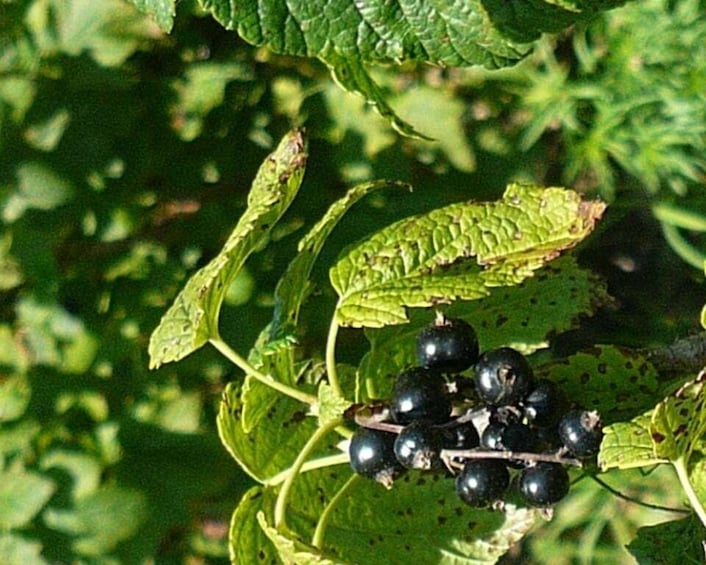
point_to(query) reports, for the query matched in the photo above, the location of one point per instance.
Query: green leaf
(679, 421)
(18, 550)
(457, 252)
(438, 32)
(620, 383)
(421, 519)
(98, 522)
(22, 495)
(272, 446)
(248, 542)
(522, 316)
(294, 286)
(193, 318)
(163, 11)
(291, 550)
(38, 187)
(330, 405)
(346, 34)
(678, 541)
(15, 394)
(627, 445)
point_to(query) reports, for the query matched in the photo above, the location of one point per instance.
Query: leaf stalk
(267, 380)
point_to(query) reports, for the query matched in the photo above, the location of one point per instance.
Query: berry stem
(623, 496)
(267, 380)
(295, 469)
(680, 465)
(449, 454)
(312, 465)
(331, 358)
(318, 539)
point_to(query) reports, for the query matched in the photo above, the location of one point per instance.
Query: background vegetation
(125, 159)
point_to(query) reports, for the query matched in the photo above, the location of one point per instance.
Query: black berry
(372, 455)
(503, 376)
(544, 484)
(420, 394)
(482, 481)
(545, 404)
(461, 436)
(449, 345)
(581, 432)
(419, 445)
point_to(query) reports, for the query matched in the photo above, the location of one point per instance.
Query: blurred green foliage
(125, 157)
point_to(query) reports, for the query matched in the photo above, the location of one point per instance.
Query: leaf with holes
(679, 421)
(522, 316)
(627, 445)
(458, 252)
(618, 382)
(193, 318)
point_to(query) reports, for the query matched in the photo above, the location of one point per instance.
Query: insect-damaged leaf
(193, 318)
(458, 252)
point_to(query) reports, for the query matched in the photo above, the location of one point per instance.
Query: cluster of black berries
(502, 426)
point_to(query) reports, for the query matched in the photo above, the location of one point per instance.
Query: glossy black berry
(372, 455)
(482, 481)
(419, 445)
(492, 437)
(545, 404)
(461, 436)
(544, 484)
(581, 432)
(420, 394)
(503, 376)
(449, 345)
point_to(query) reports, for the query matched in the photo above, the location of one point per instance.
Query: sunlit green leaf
(15, 394)
(162, 11)
(522, 316)
(628, 444)
(679, 421)
(38, 187)
(19, 550)
(193, 318)
(272, 446)
(294, 285)
(247, 539)
(420, 517)
(458, 252)
(291, 550)
(23, 494)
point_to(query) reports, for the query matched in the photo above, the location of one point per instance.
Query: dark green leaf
(193, 318)
(668, 543)
(618, 382)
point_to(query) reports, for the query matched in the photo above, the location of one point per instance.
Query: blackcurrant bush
(545, 404)
(544, 484)
(461, 436)
(420, 394)
(372, 455)
(482, 481)
(581, 432)
(448, 345)
(419, 445)
(503, 376)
